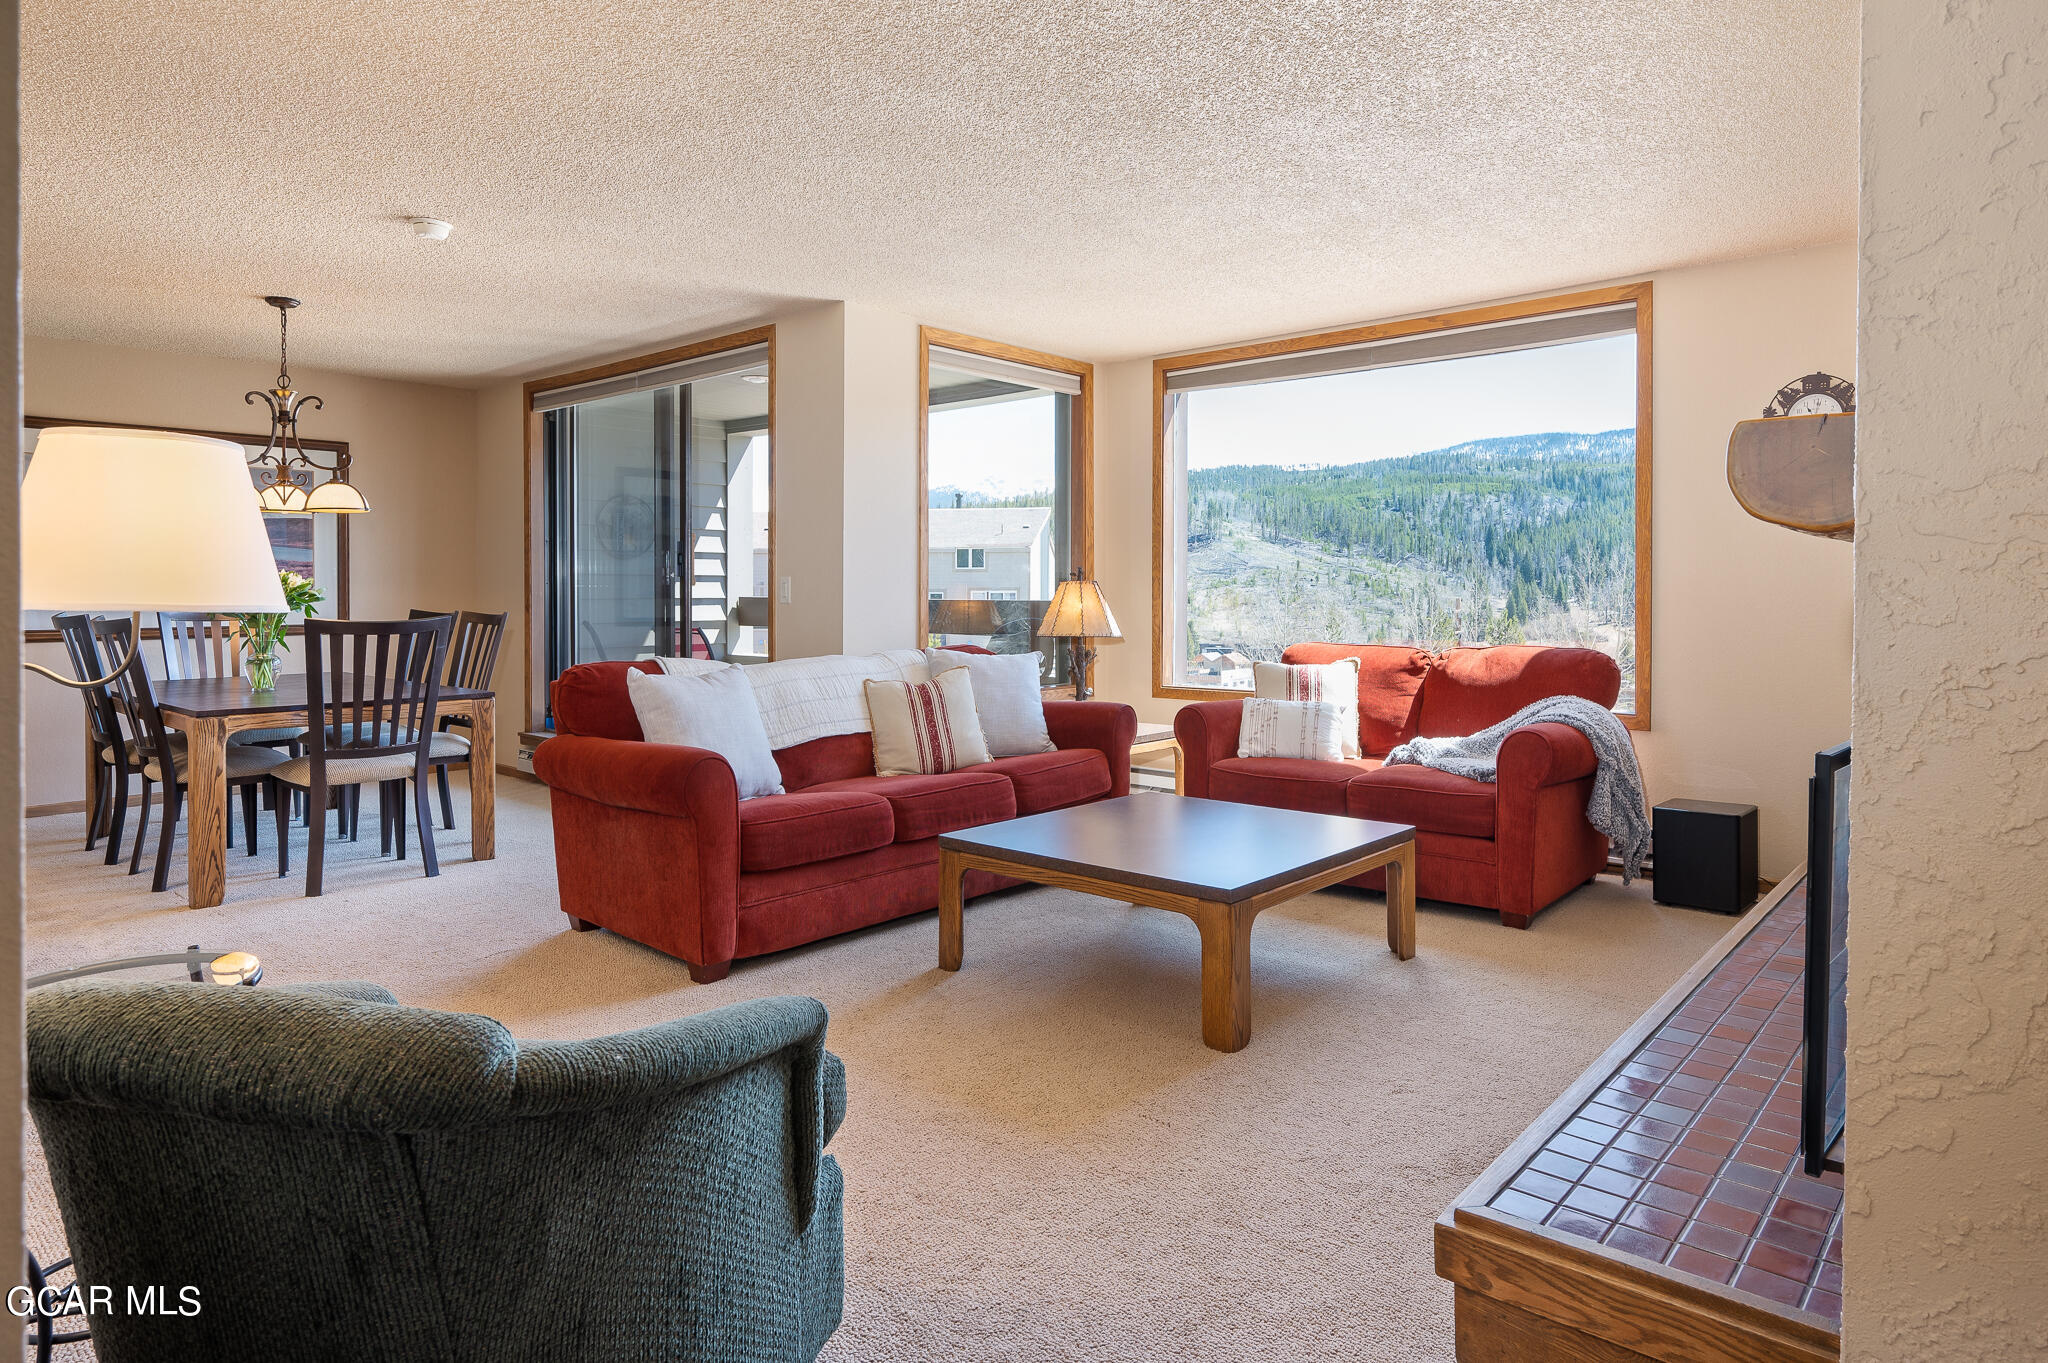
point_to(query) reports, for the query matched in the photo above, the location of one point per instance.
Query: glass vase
(262, 670)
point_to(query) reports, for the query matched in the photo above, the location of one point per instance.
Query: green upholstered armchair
(341, 1177)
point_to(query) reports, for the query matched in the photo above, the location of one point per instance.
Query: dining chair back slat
(135, 694)
(379, 683)
(472, 646)
(102, 712)
(199, 644)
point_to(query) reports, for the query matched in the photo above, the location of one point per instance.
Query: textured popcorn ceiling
(1106, 180)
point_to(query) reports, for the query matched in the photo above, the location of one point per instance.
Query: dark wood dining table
(208, 709)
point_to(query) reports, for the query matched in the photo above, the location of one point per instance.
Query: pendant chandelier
(284, 462)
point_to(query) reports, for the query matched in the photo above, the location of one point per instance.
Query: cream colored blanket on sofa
(806, 698)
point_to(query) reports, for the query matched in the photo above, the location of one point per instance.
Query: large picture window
(1477, 478)
(657, 484)
(1005, 490)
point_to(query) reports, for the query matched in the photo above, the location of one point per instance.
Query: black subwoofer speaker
(1704, 855)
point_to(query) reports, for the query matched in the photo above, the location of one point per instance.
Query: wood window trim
(530, 433)
(1081, 459)
(1639, 294)
(338, 448)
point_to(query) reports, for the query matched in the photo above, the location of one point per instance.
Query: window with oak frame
(1476, 477)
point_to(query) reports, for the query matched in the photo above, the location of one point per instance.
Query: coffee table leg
(951, 930)
(1226, 975)
(1401, 903)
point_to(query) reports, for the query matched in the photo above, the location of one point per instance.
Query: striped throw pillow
(1332, 683)
(924, 728)
(1290, 728)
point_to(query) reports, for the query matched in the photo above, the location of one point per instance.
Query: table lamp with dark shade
(1078, 612)
(117, 520)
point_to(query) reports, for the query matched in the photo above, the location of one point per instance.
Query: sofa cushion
(807, 826)
(1053, 780)
(1390, 680)
(840, 757)
(1287, 782)
(926, 806)
(1432, 800)
(1471, 688)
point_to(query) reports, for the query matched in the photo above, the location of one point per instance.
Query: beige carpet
(1042, 1160)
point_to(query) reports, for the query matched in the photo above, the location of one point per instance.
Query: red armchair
(653, 842)
(1516, 845)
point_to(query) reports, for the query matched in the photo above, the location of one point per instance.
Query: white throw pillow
(714, 710)
(1005, 697)
(1333, 683)
(924, 728)
(1291, 728)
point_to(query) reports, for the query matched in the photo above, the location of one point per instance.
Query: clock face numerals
(1818, 394)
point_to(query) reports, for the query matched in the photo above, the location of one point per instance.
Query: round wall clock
(1817, 394)
(625, 526)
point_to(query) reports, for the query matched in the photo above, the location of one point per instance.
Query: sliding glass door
(658, 496)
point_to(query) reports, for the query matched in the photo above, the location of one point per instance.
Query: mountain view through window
(1486, 499)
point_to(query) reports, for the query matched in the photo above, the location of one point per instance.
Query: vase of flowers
(263, 632)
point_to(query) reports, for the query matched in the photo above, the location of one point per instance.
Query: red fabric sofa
(653, 841)
(1515, 846)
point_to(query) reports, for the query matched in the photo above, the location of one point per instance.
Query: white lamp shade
(1079, 612)
(116, 520)
(336, 498)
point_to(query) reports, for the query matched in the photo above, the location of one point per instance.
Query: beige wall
(414, 452)
(1750, 648)
(1947, 1221)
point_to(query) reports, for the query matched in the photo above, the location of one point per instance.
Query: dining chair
(472, 660)
(160, 751)
(372, 687)
(202, 644)
(111, 749)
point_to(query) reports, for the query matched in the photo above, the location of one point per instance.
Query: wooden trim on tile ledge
(1534, 1295)
(530, 430)
(1639, 293)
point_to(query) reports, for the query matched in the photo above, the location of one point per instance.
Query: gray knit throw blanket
(1616, 805)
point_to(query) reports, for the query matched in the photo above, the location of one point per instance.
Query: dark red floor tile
(1541, 1185)
(1653, 1220)
(1828, 1278)
(1798, 1239)
(1614, 1108)
(1751, 1174)
(1574, 1222)
(1684, 1179)
(1588, 1130)
(1689, 1158)
(1575, 1147)
(1611, 1181)
(1643, 1245)
(1638, 1167)
(1636, 1143)
(1803, 1214)
(1770, 1285)
(1595, 1203)
(1714, 1239)
(1558, 1166)
(1650, 1126)
(1668, 1199)
(1742, 1195)
(1734, 1218)
(1782, 1262)
(1522, 1205)
(1712, 1267)
(1722, 1128)
(1824, 1304)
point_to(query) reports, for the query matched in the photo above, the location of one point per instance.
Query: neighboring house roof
(987, 527)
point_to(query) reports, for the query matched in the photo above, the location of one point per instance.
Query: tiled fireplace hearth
(1661, 1207)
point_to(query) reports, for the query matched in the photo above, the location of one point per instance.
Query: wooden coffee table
(1217, 862)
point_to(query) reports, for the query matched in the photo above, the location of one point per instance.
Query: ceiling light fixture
(430, 229)
(288, 488)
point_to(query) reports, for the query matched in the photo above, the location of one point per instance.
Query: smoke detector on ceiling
(430, 229)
